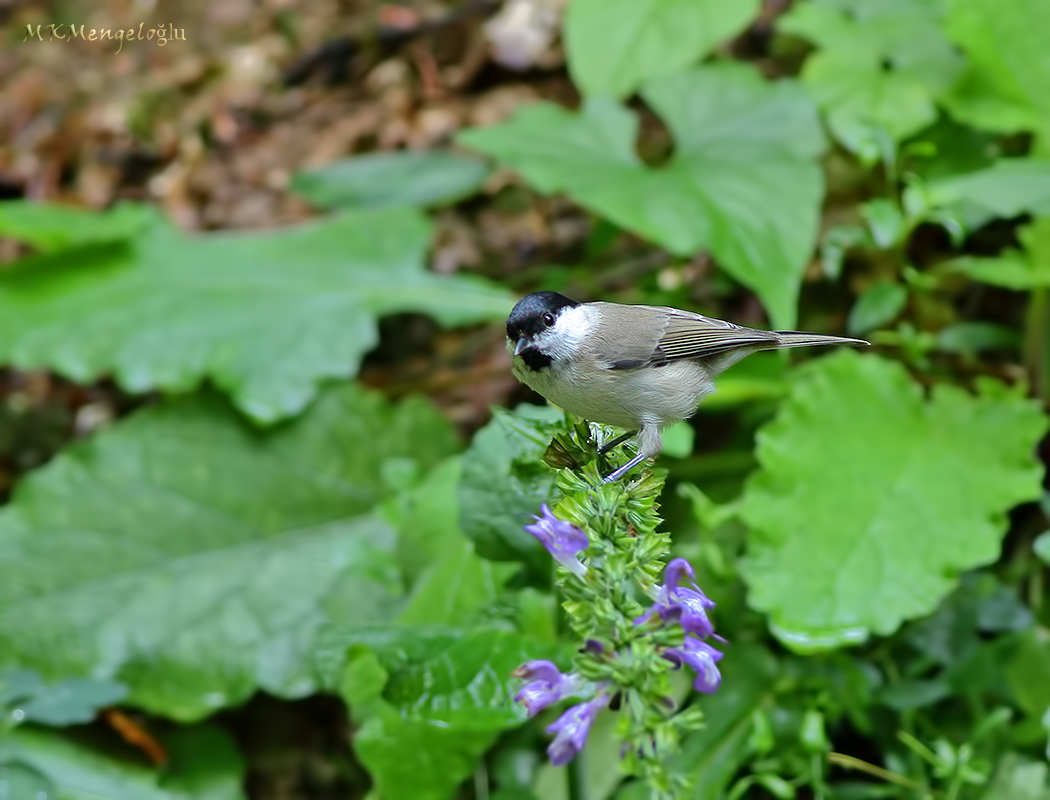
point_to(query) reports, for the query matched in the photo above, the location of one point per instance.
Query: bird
(636, 367)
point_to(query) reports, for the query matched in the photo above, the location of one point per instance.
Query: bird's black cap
(526, 318)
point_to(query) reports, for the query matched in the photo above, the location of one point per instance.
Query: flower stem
(577, 779)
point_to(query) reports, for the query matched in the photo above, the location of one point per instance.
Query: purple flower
(700, 657)
(546, 685)
(686, 603)
(562, 539)
(571, 729)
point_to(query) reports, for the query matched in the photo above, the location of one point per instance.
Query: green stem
(577, 779)
(851, 762)
(816, 766)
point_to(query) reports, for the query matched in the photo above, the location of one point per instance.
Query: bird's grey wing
(689, 336)
(627, 336)
(653, 335)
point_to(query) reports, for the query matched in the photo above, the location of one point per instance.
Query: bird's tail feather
(801, 339)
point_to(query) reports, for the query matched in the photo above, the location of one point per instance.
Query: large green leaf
(1008, 188)
(1005, 87)
(74, 771)
(388, 180)
(881, 66)
(51, 227)
(504, 482)
(743, 182)
(67, 702)
(451, 583)
(205, 766)
(437, 699)
(266, 316)
(614, 46)
(192, 557)
(870, 500)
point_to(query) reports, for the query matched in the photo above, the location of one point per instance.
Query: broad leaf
(192, 557)
(18, 781)
(881, 66)
(878, 306)
(386, 180)
(974, 337)
(1008, 188)
(743, 182)
(265, 316)
(1014, 269)
(52, 227)
(614, 46)
(504, 482)
(71, 770)
(451, 583)
(868, 504)
(427, 519)
(1028, 673)
(447, 696)
(68, 702)
(205, 766)
(1005, 87)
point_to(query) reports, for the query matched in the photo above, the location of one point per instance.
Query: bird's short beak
(521, 345)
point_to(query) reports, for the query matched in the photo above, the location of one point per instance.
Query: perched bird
(631, 366)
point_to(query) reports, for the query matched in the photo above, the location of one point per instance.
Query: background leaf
(265, 316)
(870, 492)
(446, 698)
(389, 180)
(451, 583)
(1017, 270)
(1005, 87)
(504, 483)
(881, 66)
(880, 304)
(78, 771)
(225, 548)
(615, 46)
(205, 766)
(1021, 779)
(68, 702)
(743, 182)
(1008, 188)
(712, 756)
(50, 228)
(1041, 546)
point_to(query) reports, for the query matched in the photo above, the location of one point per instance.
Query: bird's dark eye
(548, 319)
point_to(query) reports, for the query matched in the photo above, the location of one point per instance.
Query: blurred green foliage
(873, 526)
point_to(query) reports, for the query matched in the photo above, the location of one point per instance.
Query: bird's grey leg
(605, 448)
(649, 445)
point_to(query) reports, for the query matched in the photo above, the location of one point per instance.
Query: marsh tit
(631, 366)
